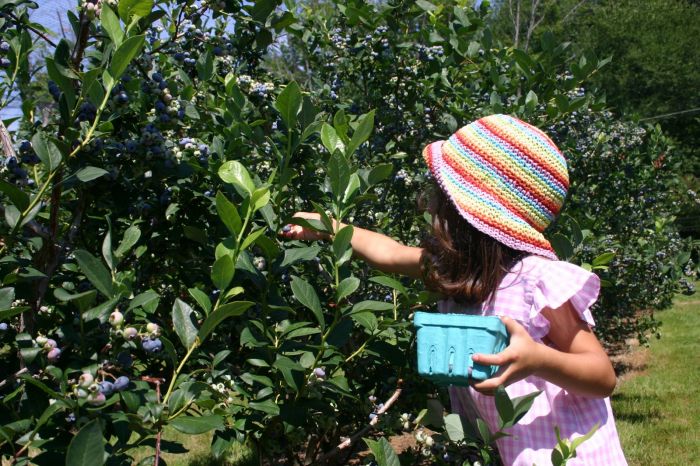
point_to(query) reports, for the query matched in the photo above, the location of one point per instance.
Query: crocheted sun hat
(505, 177)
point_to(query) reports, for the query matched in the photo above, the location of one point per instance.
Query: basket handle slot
(432, 360)
(470, 352)
(451, 360)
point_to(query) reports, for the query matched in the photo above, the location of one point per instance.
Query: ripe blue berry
(106, 388)
(3, 326)
(121, 383)
(152, 345)
(287, 228)
(4, 46)
(4, 62)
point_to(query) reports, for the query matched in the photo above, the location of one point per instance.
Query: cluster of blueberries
(17, 174)
(4, 48)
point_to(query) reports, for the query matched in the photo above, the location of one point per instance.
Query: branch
(30, 27)
(571, 11)
(350, 441)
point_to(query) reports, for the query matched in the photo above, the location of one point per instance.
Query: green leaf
(426, 6)
(222, 272)
(129, 8)
(338, 173)
(182, 322)
(110, 24)
(236, 173)
(531, 101)
(366, 319)
(262, 9)
(88, 447)
(201, 298)
(562, 246)
(228, 214)
(90, 173)
(95, 271)
(144, 299)
(503, 405)
(579, 440)
(205, 66)
(330, 139)
(260, 198)
(341, 242)
(197, 425)
(18, 197)
(131, 237)
(293, 255)
(288, 104)
(47, 151)
(454, 427)
(223, 312)
(102, 311)
(7, 296)
(603, 259)
(125, 53)
(306, 295)
(352, 187)
(361, 134)
(379, 173)
(347, 287)
(390, 282)
(371, 306)
(521, 405)
(384, 455)
(267, 406)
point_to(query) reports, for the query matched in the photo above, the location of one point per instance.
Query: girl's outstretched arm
(379, 251)
(577, 362)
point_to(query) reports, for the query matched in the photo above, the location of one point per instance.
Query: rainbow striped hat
(505, 177)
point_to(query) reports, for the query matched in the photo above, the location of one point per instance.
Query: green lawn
(658, 411)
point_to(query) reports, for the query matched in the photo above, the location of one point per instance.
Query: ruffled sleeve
(559, 282)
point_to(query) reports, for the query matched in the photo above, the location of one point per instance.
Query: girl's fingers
(499, 359)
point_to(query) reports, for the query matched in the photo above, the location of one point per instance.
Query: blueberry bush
(144, 284)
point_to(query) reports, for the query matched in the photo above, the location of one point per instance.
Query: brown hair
(459, 261)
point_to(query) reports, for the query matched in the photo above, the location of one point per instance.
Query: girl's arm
(577, 363)
(379, 251)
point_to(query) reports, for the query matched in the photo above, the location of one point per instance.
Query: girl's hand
(520, 359)
(304, 234)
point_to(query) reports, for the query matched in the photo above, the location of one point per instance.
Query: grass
(198, 451)
(657, 412)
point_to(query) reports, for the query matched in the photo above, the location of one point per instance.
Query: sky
(47, 15)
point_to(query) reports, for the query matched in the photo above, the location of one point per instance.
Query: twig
(350, 441)
(157, 382)
(13, 376)
(31, 28)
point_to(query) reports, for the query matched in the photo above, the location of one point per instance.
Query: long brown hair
(459, 261)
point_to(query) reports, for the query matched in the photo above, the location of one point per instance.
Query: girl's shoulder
(535, 283)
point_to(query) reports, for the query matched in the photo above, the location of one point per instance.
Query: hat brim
(483, 212)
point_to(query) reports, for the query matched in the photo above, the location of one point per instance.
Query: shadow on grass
(636, 409)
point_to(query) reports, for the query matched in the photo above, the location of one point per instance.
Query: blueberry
(287, 228)
(4, 46)
(3, 326)
(179, 56)
(124, 359)
(320, 373)
(25, 146)
(208, 193)
(157, 77)
(164, 118)
(121, 383)
(106, 388)
(4, 62)
(162, 85)
(152, 346)
(122, 98)
(160, 106)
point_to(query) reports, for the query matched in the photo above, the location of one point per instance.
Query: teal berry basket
(446, 343)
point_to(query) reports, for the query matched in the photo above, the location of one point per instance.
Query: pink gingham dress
(531, 285)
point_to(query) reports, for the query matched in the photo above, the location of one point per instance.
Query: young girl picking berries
(499, 183)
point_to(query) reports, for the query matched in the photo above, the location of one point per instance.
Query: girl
(499, 183)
